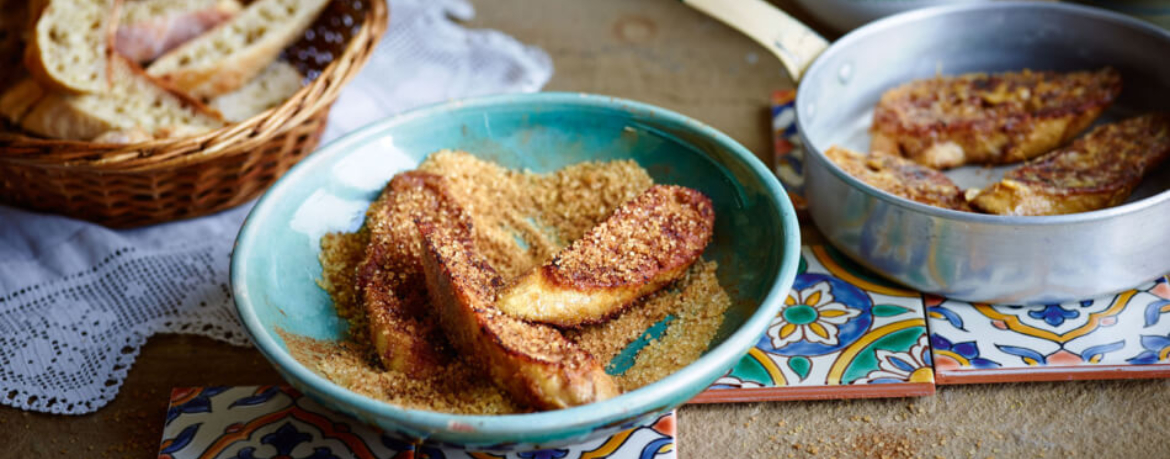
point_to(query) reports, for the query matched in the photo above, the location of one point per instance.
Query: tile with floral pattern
(842, 332)
(254, 422)
(1126, 335)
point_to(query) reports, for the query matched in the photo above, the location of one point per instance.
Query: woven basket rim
(233, 138)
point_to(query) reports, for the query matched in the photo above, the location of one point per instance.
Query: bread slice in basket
(18, 99)
(133, 102)
(70, 43)
(230, 55)
(149, 28)
(279, 81)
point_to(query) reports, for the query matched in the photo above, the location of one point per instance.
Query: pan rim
(910, 17)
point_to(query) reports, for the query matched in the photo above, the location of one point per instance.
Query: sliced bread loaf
(133, 101)
(69, 46)
(149, 28)
(272, 86)
(230, 55)
(19, 98)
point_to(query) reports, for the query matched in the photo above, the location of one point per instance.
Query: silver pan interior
(979, 257)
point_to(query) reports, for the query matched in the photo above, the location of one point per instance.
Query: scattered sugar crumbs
(698, 307)
(340, 255)
(521, 220)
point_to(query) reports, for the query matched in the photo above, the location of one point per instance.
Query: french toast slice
(390, 280)
(901, 177)
(644, 245)
(534, 363)
(1096, 171)
(981, 118)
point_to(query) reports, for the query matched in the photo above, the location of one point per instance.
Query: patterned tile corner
(841, 333)
(1126, 335)
(249, 422)
(787, 147)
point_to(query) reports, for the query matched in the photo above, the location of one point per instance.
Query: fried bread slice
(1097, 171)
(901, 177)
(534, 363)
(981, 118)
(644, 245)
(390, 279)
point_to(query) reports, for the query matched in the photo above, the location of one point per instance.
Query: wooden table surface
(661, 52)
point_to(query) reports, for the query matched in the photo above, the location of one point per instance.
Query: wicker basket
(163, 180)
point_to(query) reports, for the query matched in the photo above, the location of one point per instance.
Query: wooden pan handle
(793, 42)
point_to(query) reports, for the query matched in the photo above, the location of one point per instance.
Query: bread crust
(19, 98)
(39, 69)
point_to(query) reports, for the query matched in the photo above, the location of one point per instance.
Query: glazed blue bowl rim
(654, 396)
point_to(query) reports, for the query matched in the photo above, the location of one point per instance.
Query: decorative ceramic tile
(1120, 336)
(252, 422)
(787, 149)
(842, 333)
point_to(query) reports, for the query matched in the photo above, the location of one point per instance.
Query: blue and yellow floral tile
(1126, 335)
(842, 333)
(252, 422)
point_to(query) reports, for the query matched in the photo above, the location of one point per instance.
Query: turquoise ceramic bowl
(275, 267)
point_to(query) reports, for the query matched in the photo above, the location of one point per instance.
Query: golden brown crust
(535, 363)
(647, 243)
(900, 177)
(1097, 171)
(983, 118)
(36, 66)
(390, 279)
(18, 99)
(663, 228)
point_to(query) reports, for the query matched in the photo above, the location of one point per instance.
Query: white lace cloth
(77, 300)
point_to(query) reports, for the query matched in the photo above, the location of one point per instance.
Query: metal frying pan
(968, 256)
